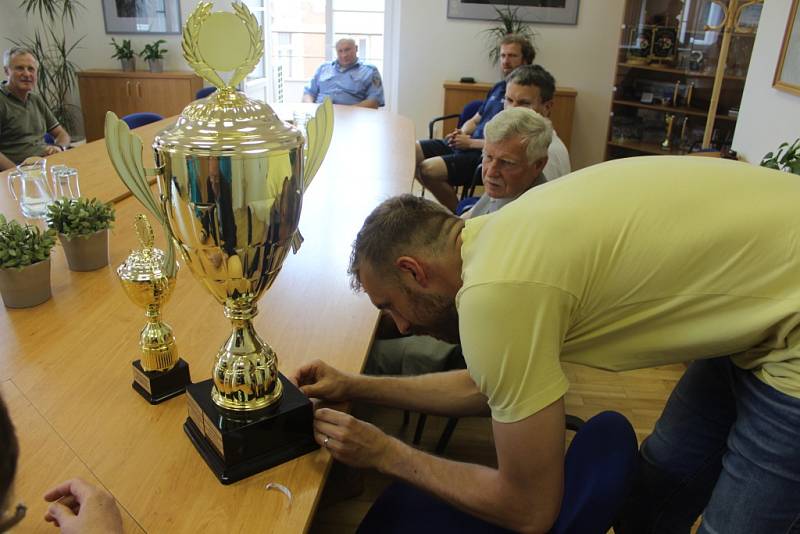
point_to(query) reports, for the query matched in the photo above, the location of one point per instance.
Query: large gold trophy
(232, 177)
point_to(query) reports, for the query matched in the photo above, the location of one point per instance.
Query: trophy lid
(227, 122)
(147, 263)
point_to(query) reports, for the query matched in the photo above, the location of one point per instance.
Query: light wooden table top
(65, 365)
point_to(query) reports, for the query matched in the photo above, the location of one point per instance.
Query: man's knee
(433, 170)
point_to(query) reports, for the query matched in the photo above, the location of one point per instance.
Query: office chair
(467, 112)
(598, 472)
(134, 120)
(204, 92)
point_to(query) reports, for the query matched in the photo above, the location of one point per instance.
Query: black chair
(598, 473)
(469, 110)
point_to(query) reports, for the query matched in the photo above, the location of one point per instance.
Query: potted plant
(507, 22)
(24, 264)
(786, 158)
(82, 227)
(154, 55)
(125, 54)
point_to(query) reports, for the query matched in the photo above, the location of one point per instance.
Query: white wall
(768, 116)
(431, 49)
(434, 48)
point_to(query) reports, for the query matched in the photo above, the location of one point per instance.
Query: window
(301, 34)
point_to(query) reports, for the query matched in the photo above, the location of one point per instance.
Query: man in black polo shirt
(24, 115)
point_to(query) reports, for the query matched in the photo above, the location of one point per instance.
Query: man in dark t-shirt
(24, 115)
(442, 164)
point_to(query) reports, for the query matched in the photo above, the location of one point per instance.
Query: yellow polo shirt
(633, 263)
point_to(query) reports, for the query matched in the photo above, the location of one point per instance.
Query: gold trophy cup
(159, 374)
(232, 177)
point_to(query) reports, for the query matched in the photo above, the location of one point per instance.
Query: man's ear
(548, 107)
(412, 268)
(540, 164)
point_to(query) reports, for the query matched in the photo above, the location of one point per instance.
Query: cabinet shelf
(683, 72)
(668, 109)
(647, 148)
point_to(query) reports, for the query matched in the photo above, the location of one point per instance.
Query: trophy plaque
(159, 374)
(232, 176)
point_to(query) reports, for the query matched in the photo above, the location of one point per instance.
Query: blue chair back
(204, 92)
(469, 111)
(598, 471)
(465, 204)
(134, 120)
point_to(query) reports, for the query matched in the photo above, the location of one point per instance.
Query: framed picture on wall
(142, 16)
(787, 74)
(544, 11)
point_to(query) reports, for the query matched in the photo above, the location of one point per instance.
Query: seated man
(443, 164)
(532, 87)
(627, 264)
(24, 115)
(347, 80)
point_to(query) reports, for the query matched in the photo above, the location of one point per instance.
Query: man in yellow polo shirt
(627, 264)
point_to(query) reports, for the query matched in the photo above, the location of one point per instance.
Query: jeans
(727, 446)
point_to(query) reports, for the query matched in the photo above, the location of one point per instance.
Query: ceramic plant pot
(26, 287)
(86, 253)
(156, 65)
(128, 65)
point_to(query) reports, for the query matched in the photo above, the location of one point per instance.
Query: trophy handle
(125, 151)
(319, 131)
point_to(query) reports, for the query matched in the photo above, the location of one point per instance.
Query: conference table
(65, 365)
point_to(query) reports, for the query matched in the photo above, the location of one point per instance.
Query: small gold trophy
(669, 121)
(160, 374)
(232, 177)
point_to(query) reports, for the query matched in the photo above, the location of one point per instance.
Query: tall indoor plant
(508, 21)
(786, 158)
(54, 45)
(24, 264)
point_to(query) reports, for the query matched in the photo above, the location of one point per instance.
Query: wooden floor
(639, 395)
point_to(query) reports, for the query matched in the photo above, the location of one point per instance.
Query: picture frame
(539, 11)
(142, 16)
(787, 72)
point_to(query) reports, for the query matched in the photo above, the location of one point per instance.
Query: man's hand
(82, 508)
(449, 137)
(352, 441)
(461, 141)
(321, 381)
(49, 150)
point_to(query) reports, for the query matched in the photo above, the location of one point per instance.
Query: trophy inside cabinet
(681, 69)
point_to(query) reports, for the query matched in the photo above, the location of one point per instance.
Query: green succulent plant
(152, 51)
(122, 51)
(79, 217)
(21, 246)
(786, 158)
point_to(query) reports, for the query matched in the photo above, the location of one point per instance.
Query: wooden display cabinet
(165, 93)
(668, 64)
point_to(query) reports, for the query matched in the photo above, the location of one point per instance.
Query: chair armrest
(437, 119)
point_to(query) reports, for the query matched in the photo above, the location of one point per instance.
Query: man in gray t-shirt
(24, 115)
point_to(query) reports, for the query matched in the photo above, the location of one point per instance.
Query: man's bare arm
(61, 136)
(452, 393)
(524, 493)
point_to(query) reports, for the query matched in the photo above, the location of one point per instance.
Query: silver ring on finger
(325, 441)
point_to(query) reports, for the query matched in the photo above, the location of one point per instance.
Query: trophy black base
(158, 386)
(236, 445)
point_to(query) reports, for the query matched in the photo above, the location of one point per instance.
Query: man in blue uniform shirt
(346, 80)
